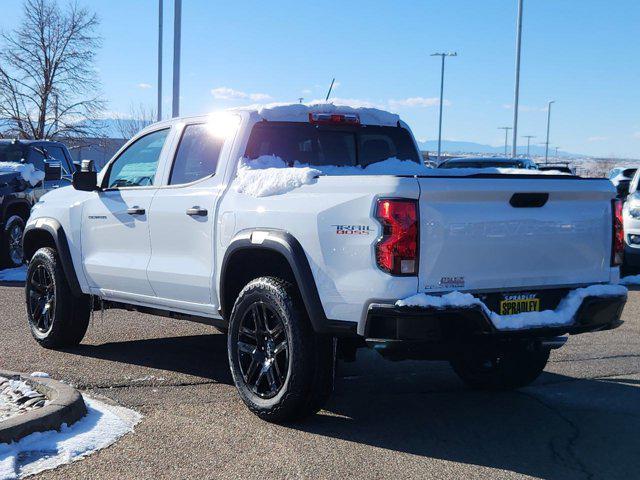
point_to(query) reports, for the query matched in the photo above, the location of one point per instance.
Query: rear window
(10, 152)
(330, 145)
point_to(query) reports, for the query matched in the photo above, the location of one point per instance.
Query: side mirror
(623, 189)
(52, 170)
(85, 179)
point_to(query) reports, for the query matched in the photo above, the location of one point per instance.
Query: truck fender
(288, 247)
(32, 240)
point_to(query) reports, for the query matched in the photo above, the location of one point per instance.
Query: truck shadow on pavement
(198, 355)
(559, 428)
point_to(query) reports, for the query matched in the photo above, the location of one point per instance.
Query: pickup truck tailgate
(476, 235)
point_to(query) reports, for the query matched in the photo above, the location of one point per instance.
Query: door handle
(136, 211)
(197, 212)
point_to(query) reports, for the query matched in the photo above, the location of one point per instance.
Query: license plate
(511, 307)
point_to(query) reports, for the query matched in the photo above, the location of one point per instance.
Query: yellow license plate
(511, 307)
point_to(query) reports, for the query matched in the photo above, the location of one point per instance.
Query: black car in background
(18, 194)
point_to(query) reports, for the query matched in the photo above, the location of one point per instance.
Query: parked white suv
(306, 230)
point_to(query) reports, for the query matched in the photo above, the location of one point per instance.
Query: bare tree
(48, 83)
(138, 118)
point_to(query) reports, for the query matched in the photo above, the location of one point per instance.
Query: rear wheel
(281, 368)
(513, 367)
(56, 317)
(12, 254)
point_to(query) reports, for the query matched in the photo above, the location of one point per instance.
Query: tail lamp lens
(617, 245)
(397, 250)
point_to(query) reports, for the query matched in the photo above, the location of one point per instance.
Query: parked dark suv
(18, 194)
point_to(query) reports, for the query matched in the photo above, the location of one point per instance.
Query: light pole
(160, 60)
(442, 55)
(506, 137)
(517, 87)
(546, 148)
(177, 27)
(557, 153)
(528, 137)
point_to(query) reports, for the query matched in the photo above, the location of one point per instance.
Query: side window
(58, 154)
(197, 155)
(36, 159)
(137, 165)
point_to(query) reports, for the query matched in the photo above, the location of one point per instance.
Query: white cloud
(144, 86)
(420, 102)
(306, 91)
(597, 138)
(349, 102)
(636, 135)
(226, 93)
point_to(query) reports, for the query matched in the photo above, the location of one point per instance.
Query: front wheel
(56, 317)
(512, 367)
(12, 254)
(283, 371)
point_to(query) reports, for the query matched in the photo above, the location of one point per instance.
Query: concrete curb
(65, 406)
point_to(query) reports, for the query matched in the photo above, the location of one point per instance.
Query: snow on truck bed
(270, 175)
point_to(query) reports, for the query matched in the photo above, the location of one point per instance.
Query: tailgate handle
(528, 200)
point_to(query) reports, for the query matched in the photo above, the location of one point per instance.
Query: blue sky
(584, 54)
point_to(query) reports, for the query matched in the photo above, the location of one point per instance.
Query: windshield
(10, 152)
(359, 145)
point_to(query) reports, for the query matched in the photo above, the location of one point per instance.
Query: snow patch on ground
(40, 375)
(18, 397)
(18, 274)
(26, 170)
(630, 280)
(102, 426)
(562, 315)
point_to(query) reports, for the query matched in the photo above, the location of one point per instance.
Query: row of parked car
(20, 189)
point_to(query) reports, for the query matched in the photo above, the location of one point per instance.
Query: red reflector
(397, 250)
(617, 243)
(333, 118)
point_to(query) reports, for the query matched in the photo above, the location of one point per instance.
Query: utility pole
(528, 137)
(506, 137)
(546, 148)
(177, 27)
(300, 99)
(442, 55)
(159, 108)
(557, 153)
(517, 87)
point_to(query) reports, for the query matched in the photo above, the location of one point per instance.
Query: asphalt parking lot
(581, 419)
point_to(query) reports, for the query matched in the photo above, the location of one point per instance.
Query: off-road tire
(511, 368)
(13, 222)
(70, 314)
(311, 357)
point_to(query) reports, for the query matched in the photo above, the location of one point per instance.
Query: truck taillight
(617, 244)
(397, 250)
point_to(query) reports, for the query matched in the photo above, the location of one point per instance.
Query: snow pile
(26, 170)
(630, 280)
(18, 274)
(17, 397)
(40, 375)
(102, 426)
(562, 315)
(299, 112)
(270, 175)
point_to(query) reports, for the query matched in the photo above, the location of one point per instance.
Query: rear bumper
(631, 256)
(389, 323)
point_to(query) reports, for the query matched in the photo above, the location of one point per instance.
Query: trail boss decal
(353, 229)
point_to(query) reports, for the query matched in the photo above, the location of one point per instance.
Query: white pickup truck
(306, 232)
